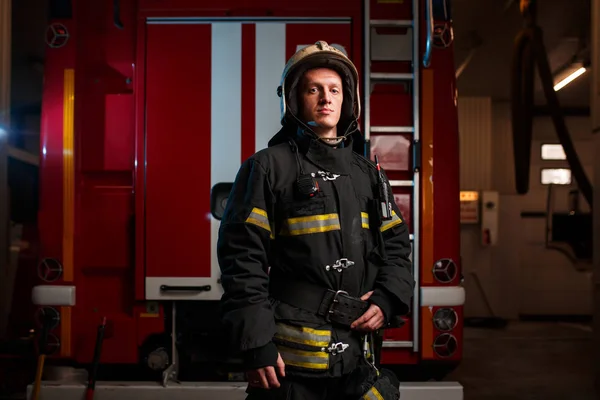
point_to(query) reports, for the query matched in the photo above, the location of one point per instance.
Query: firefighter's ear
(279, 91)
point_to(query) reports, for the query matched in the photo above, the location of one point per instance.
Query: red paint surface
(139, 228)
(306, 34)
(248, 90)
(178, 160)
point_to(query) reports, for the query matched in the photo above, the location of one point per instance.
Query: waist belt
(337, 307)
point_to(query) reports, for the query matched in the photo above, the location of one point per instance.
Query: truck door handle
(168, 288)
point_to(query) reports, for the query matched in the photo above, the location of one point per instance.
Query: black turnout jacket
(268, 229)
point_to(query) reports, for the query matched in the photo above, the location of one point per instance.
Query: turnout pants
(363, 383)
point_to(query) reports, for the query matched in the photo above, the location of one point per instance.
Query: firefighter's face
(321, 96)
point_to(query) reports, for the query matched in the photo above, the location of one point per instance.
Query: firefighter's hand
(267, 377)
(371, 320)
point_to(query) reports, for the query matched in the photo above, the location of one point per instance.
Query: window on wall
(553, 152)
(556, 176)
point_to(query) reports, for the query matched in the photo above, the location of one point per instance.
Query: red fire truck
(150, 107)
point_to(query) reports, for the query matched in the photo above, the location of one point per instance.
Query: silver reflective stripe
(365, 220)
(391, 223)
(303, 335)
(259, 218)
(373, 394)
(312, 224)
(318, 360)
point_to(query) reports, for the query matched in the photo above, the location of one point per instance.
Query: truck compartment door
(177, 156)
(210, 103)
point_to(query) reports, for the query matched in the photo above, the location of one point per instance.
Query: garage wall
(475, 133)
(518, 275)
(475, 130)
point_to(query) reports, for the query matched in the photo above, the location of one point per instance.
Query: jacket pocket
(306, 208)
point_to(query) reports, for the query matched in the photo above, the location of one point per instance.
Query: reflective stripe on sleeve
(259, 218)
(364, 219)
(372, 394)
(391, 223)
(312, 224)
(303, 335)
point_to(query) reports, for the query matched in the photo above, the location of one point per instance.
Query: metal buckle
(336, 348)
(335, 300)
(340, 265)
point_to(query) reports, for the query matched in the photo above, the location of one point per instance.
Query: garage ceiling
(496, 23)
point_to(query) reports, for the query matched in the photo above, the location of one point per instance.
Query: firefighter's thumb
(280, 365)
(366, 296)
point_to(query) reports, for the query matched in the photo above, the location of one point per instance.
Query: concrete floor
(528, 360)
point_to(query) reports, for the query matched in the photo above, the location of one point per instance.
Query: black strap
(336, 307)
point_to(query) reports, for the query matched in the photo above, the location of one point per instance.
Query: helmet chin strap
(334, 141)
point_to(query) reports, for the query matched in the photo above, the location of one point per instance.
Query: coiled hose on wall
(529, 51)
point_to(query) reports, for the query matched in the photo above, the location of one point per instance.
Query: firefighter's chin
(323, 130)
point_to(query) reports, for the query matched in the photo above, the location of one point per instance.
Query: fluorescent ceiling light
(572, 75)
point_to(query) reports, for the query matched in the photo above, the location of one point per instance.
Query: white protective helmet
(319, 55)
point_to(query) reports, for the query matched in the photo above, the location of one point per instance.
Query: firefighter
(313, 251)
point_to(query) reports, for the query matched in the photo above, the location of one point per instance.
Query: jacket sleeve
(394, 285)
(242, 248)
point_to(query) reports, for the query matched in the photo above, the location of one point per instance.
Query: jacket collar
(330, 159)
(336, 160)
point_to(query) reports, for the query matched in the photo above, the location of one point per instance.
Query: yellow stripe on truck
(68, 174)
(68, 203)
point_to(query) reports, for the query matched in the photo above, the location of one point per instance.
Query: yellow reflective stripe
(303, 335)
(304, 359)
(391, 223)
(312, 224)
(373, 394)
(259, 218)
(365, 219)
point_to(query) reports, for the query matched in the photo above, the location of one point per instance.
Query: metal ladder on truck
(409, 390)
(413, 79)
